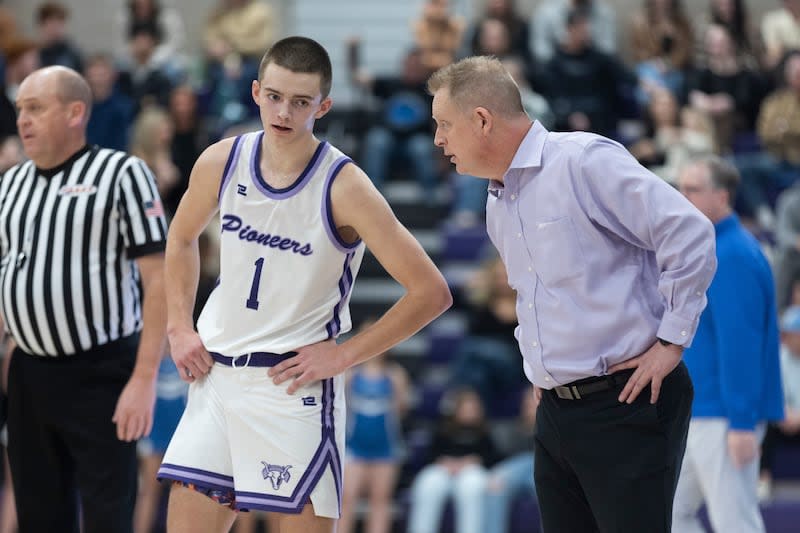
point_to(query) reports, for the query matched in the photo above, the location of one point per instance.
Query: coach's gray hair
(479, 81)
(722, 173)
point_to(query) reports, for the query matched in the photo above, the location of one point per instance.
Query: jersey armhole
(327, 209)
(230, 166)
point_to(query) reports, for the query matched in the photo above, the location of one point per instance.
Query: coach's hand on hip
(189, 354)
(651, 368)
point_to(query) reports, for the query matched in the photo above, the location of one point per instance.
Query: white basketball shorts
(243, 434)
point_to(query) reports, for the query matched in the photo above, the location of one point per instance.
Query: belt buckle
(568, 393)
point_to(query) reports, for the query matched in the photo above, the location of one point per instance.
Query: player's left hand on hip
(651, 369)
(312, 363)
(742, 446)
(134, 413)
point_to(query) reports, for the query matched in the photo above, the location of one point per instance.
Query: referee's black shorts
(62, 446)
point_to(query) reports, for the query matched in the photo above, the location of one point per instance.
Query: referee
(81, 294)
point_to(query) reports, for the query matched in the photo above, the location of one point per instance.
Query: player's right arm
(182, 271)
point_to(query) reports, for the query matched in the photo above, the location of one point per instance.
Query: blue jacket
(734, 360)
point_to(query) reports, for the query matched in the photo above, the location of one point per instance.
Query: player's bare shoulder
(354, 195)
(210, 166)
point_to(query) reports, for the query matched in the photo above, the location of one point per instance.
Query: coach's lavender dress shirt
(604, 255)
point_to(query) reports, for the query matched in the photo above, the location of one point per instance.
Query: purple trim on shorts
(334, 326)
(199, 477)
(299, 183)
(327, 210)
(230, 165)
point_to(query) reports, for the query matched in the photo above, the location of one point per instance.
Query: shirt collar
(528, 155)
(726, 223)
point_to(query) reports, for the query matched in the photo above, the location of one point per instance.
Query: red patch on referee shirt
(153, 208)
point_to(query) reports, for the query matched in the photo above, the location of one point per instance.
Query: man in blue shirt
(610, 265)
(734, 364)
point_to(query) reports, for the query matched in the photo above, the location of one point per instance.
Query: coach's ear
(483, 120)
(324, 107)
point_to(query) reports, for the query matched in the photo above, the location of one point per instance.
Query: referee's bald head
(68, 85)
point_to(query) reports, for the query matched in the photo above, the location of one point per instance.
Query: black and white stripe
(69, 237)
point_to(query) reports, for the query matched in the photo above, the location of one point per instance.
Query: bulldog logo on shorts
(276, 474)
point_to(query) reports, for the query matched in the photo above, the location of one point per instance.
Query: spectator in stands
(21, 58)
(144, 80)
(780, 31)
(8, 32)
(229, 88)
(734, 17)
(583, 84)
(549, 26)
(511, 478)
(55, 47)
(190, 138)
(437, 34)
(168, 22)
(112, 110)
(461, 450)
(674, 136)
(402, 130)
(151, 141)
(517, 28)
(662, 40)
(725, 89)
(734, 365)
(787, 431)
(766, 174)
(488, 359)
(243, 27)
(787, 249)
(377, 400)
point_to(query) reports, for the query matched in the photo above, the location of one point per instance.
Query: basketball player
(264, 424)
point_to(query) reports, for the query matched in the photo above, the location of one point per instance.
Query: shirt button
(683, 333)
(530, 306)
(513, 196)
(535, 344)
(519, 235)
(530, 269)
(699, 293)
(547, 379)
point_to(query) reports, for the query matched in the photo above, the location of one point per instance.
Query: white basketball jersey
(285, 274)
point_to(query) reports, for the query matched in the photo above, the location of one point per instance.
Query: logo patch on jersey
(76, 190)
(247, 233)
(276, 474)
(309, 400)
(241, 189)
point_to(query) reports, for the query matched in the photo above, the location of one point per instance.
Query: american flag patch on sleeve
(153, 208)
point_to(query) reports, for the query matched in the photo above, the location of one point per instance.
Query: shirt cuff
(677, 330)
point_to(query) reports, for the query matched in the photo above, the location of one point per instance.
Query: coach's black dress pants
(609, 467)
(62, 446)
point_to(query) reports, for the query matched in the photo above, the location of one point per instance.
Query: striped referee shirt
(68, 237)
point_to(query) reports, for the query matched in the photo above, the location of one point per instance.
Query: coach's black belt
(252, 359)
(584, 387)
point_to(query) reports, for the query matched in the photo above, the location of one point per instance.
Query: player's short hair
(303, 55)
(480, 81)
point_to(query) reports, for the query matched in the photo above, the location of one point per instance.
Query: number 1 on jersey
(252, 302)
